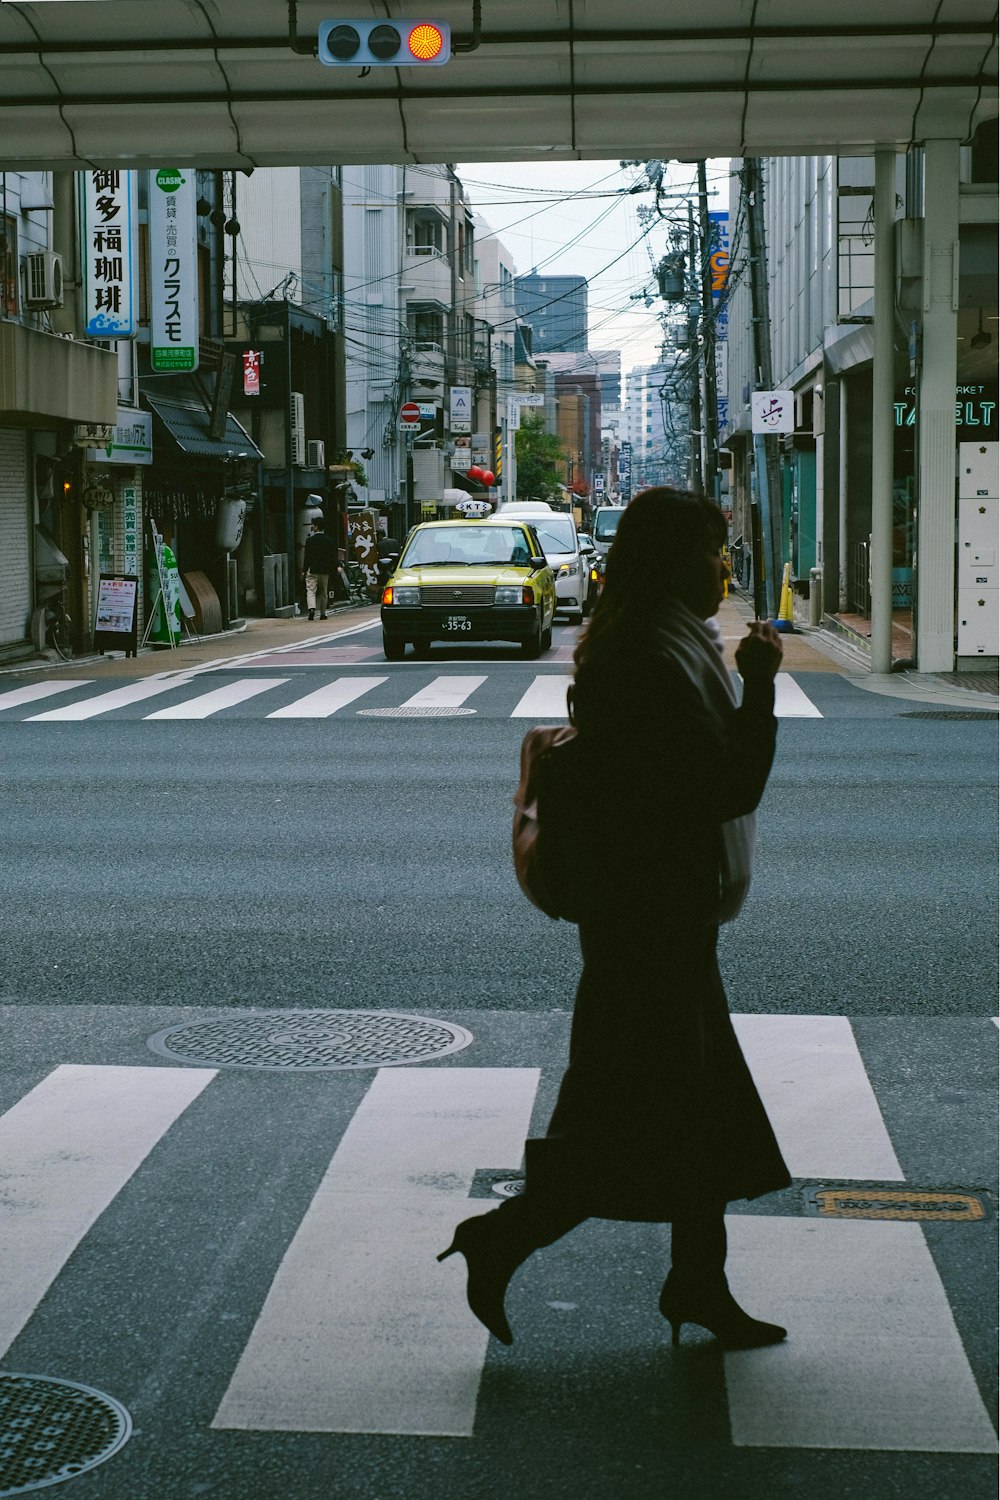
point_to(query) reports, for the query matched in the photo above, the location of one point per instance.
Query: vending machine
(978, 542)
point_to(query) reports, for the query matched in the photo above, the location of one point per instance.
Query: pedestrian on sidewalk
(657, 1118)
(320, 561)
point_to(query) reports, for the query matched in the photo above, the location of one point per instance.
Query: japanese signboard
(251, 372)
(117, 615)
(130, 503)
(460, 419)
(129, 441)
(772, 411)
(173, 269)
(719, 262)
(108, 243)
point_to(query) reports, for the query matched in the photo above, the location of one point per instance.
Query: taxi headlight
(507, 593)
(406, 595)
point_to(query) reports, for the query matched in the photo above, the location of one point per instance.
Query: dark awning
(187, 424)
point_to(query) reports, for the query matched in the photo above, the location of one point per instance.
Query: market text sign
(108, 240)
(973, 408)
(173, 269)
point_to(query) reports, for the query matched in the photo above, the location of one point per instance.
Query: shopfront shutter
(15, 543)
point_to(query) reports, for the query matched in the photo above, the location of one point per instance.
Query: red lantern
(475, 472)
(489, 477)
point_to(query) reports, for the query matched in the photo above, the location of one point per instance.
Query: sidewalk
(257, 635)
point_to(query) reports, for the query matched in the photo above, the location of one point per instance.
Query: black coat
(657, 1107)
(320, 554)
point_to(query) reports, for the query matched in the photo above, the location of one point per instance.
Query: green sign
(169, 179)
(180, 358)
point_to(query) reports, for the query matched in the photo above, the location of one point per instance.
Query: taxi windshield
(467, 546)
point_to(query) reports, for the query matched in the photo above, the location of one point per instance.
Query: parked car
(469, 581)
(556, 531)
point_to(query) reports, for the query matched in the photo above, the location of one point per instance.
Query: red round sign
(409, 412)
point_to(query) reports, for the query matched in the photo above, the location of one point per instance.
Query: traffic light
(384, 44)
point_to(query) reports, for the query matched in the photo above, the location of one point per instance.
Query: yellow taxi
(469, 580)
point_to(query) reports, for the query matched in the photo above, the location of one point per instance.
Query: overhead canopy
(220, 82)
(188, 426)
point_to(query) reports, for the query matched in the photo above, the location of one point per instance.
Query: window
(426, 236)
(426, 326)
(8, 266)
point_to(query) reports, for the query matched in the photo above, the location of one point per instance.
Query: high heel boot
(715, 1308)
(491, 1263)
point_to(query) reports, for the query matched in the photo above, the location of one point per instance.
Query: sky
(572, 218)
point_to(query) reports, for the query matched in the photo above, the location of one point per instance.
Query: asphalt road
(160, 872)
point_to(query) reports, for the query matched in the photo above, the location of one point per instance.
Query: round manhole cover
(51, 1430)
(415, 712)
(303, 1041)
(510, 1187)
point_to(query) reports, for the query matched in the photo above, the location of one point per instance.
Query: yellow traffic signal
(384, 44)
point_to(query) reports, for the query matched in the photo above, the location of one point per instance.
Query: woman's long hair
(659, 533)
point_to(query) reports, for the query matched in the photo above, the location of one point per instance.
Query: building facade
(555, 308)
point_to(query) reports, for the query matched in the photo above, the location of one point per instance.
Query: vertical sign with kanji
(130, 500)
(251, 372)
(108, 242)
(173, 269)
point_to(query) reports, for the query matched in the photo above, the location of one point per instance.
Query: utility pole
(765, 445)
(694, 374)
(711, 413)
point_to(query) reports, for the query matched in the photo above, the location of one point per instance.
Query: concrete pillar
(842, 470)
(935, 576)
(882, 409)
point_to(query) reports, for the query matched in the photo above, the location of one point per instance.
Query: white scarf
(696, 647)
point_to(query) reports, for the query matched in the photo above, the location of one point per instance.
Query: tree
(541, 459)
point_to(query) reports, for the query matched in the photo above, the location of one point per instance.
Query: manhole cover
(415, 713)
(510, 1187)
(51, 1430)
(950, 713)
(304, 1041)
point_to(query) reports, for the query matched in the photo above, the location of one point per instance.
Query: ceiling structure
(235, 83)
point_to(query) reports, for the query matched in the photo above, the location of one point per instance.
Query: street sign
(409, 414)
(527, 398)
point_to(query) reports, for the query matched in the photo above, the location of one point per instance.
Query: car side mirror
(537, 563)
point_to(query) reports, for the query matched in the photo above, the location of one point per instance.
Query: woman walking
(657, 1117)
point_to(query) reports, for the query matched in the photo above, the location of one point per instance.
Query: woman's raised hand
(758, 655)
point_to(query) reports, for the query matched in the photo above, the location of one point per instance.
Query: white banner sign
(129, 442)
(460, 419)
(528, 398)
(772, 411)
(108, 242)
(173, 269)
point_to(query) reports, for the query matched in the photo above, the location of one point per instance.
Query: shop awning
(187, 424)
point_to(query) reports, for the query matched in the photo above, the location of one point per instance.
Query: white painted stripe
(104, 703)
(36, 690)
(362, 1330)
(66, 1150)
(817, 1093)
(218, 698)
(545, 699)
(790, 702)
(444, 692)
(327, 699)
(873, 1358)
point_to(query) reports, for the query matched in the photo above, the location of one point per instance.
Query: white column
(936, 413)
(882, 410)
(842, 564)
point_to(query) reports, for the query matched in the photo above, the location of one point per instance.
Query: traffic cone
(786, 613)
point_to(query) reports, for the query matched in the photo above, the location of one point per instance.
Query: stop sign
(409, 414)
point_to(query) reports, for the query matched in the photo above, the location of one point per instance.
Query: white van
(605, 525)
(556, 531)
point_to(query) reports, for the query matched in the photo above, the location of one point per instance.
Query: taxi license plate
(456, 623)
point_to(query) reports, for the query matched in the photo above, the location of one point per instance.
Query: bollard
(815, 596)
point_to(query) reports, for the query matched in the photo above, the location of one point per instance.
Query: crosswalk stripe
(36, 690)
(104, 703)
(218, 699)
(873, 1358)
(327, 699)
(444, 692)
(362, 1331)
(817, 1092)
(790, 702)
(66, 1149)
(544, 699)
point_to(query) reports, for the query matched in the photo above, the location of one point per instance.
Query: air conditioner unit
(316, 454)
(43, 279)
(297, 418)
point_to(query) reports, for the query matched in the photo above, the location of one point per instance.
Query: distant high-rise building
(555, 308)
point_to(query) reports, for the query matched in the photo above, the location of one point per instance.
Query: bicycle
(58, 627)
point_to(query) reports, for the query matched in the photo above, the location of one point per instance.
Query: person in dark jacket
(657, 1118)
(319, 564)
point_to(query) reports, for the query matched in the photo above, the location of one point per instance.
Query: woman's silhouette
(657, 1118)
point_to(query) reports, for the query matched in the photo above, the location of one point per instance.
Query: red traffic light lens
(425, 41)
